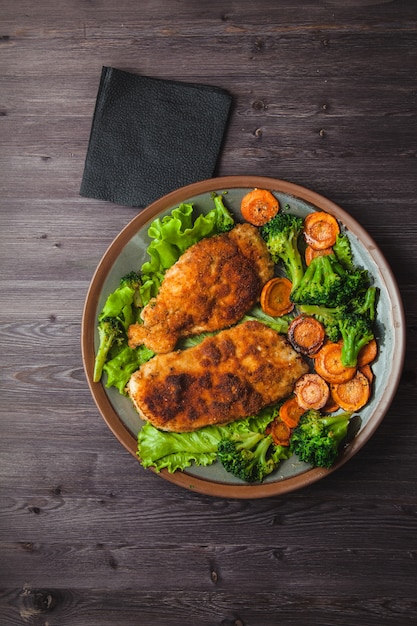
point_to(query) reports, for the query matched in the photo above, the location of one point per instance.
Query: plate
(128, 251)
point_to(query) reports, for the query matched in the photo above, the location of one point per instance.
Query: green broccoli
(317, 438)
(110, 332)
(281, 236)
(343, 251)
(250, 456)
(224, 219)
(132, 280)
(124, 300)
(327, 283)
(366, 303)
(356, 332)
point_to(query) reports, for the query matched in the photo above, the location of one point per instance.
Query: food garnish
(259, 206)
(275, 297)
(320, 230)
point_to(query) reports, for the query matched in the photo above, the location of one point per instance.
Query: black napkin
(150, 136)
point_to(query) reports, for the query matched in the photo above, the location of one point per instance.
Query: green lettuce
(121, 366)
(279, 324)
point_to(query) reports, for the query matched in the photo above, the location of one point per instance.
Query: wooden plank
(74, 607)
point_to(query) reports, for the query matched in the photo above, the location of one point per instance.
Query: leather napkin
(150, 136)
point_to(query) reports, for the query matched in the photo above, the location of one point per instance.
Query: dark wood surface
(325, 95)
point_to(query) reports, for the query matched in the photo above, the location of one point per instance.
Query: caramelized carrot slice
(290, 412)
(368, 353)
(328, 364)
(279, 432)
(320, 230)
(275, 297)
(367, 371)
(311, 254)
(311, 391)
(259, 206)
(306, 334)
(331, 405)
(353, 394)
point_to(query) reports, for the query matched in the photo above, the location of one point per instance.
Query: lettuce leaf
(279, 324)
(119, 304)
(121, 366)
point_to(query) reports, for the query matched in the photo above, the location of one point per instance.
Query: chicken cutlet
(228, 376)
(212, 285)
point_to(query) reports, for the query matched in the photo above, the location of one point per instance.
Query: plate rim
(88, 324)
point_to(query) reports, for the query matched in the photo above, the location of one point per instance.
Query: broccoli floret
(356, 332)
(132, 280)
(317, 438)
(366, 303)
(250, 456)
(327, 283)
(329, 317)
(110, 332)
(224, 219)
(343, 251)
(281, 236)
(124, 301)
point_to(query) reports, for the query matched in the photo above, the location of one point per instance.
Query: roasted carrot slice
(259, 206)
(275, 296)
(311, 391)
(331, 405)
(353, 394)
(311, 254)
(368, 353)
(328, 364)
(306, 334)
(320, 230)
(367, 371)
(290, 412)
(280, 432)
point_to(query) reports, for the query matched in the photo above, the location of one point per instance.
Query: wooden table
(325, 95)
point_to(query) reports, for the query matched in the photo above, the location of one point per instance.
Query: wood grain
(324, 95)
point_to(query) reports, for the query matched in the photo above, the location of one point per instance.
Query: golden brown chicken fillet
(212, 285)
(231, 375)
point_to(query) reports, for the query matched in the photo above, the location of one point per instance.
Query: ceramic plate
(128, 251)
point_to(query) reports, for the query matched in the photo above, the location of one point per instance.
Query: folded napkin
(150, 136)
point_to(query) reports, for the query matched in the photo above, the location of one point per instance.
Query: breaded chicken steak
(228, 376)
(212, 285)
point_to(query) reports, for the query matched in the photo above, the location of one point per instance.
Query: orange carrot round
(311, 391)
(290, 412)
(275, 297)
(320, 230)
(328, 364)
(353, 394)
(259, 206)
(306, 334)
(368, 353)
(280, 432)
(367, 371)
(311, 254)
(331, 405)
